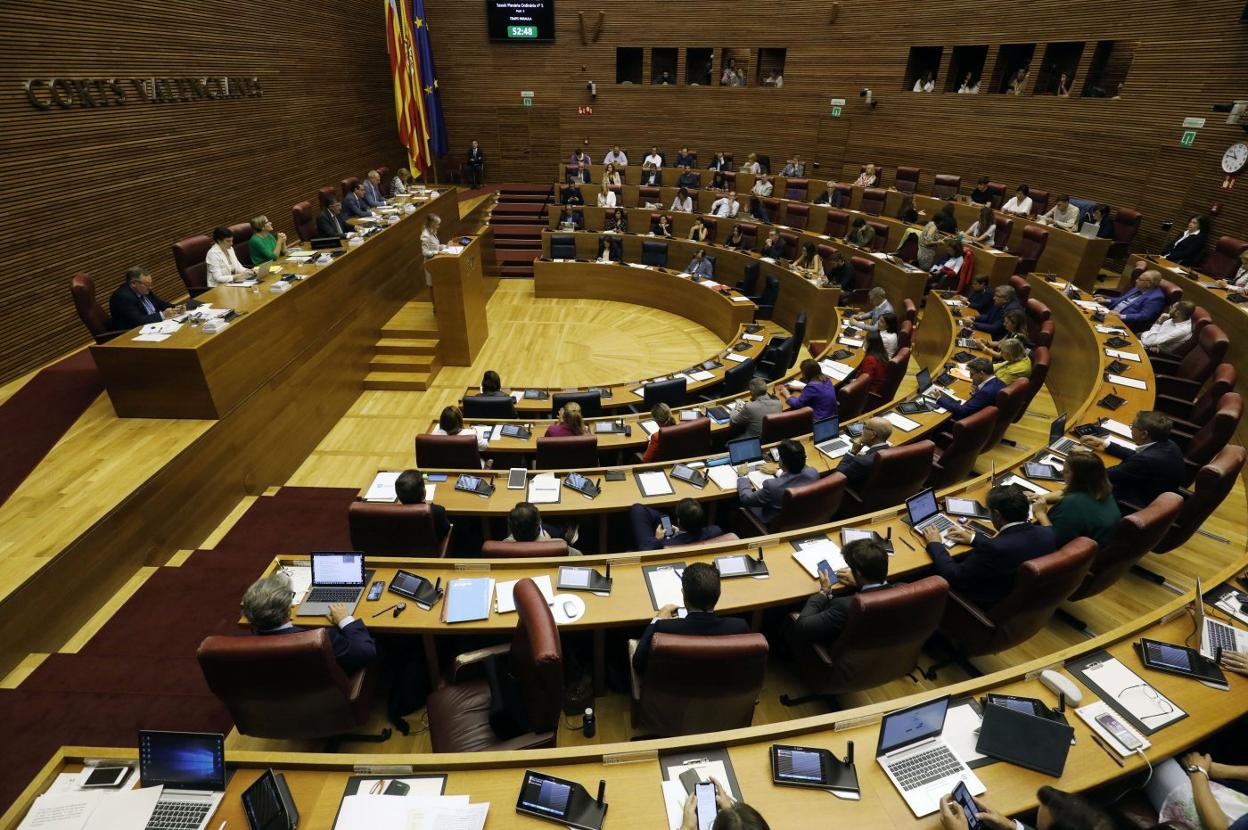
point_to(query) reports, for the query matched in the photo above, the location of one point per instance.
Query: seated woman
(664, 226)
(737, 239)
(1102, 218)
(869, 177)
(451, 422)
(1014, 364)
(698, 232)
(662, 415)
(401, 182)
(952, 264)
(1085, 507)
(606, 196)
(984, 229)
(1015, 323)
(888, 329)
(683, 202)
(929, 245)
(611, 176)
(617, 221)
(819, 392)
(570, 422)
(874, 362)
(491, 383)
(907, 212)
(860, 235)
(1020, 204)
(809, 262)
(264, 245)
(1189, 790)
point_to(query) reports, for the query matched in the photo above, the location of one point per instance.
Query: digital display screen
(1170, 657)
(182, 760)
(337, 568)
(521, 20)
(745, 451)
(799, 765)
(546, 795)
(912, 725)
(827, 429)
(922, 506)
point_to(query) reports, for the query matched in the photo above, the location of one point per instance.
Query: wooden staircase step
(408, 363)
(407, 345)
(397, 381)
(414, 320)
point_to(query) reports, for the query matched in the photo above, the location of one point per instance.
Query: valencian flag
(417, 99)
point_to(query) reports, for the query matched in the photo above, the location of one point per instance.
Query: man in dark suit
(1154, 467)
(993, 320)
(1188, 248)
(266, 605)
(986, 385)
(986, 575)
(823, 617)
(980, 296)
(476, 164)
(354, 206)
(1140, 307)
(857, 464)
(372, 190)
(793, 470)
(330, 222)
(409, 488)
(699, 586)
(134, 303)
(689, 528)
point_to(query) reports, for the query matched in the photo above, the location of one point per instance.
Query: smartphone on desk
(435, 477)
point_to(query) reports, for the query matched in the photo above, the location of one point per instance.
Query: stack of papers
(410, 812)
(810, 552)
(126, 809)
(1118, 353)
(649, 426)
(901, 422)
(736, 357)
(701, 374)
(1117, 428)
(835, 369)
(758, 478)
(737, 298)
(543, 489)
(505, 601)
(467, 599)
(849, 341)
(757, 338)
(723, 476)
(382, 488)
(1124, 381)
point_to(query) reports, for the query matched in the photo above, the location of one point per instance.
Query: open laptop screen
(924, 379)
(922, 506)
(1058, 428)
(827, 429)
(909, 726)
(337, 569)
(182, 760)
(745, 451)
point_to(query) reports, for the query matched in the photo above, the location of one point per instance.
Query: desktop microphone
(1061, 703)
(760, 554)
(437, 587)
(849, 755)
(608, 570)
(602, 790)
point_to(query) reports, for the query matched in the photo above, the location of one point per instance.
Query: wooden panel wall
(1125, 152)
(99, 190)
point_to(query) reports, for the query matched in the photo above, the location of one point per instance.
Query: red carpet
(139, 671)
(34, 419)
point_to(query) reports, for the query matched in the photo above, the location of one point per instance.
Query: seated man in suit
(266, 605)
(838, 272)
(993, 320)
(880, 306)
(1154, 467)
(689, 528)
(747, 419)
(372, 190)
(354, 206)
(650, 175)
(331, 224)
(986, 575)
(774, 246)
(856, 464)
(689, 180)
(1140, 307)
(700, 588)
(793, 470)
(985, 384)
(823, 617)
(409, 487)
(135, 304)
(524, 524)
(700, 266)
(979, 296)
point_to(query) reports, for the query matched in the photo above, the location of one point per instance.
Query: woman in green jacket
(1086, 507)
(264, 245)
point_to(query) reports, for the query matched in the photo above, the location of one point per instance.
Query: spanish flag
(417, 99)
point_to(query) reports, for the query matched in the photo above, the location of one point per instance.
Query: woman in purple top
(819, 393)
(570, 422)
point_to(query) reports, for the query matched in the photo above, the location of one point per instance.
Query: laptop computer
(1215, 634)
(920, 404)
(828, 439)
(918, 762)
(191, 768)
(1058, 442)
(336, 578)
(924, 512)
(745, 451)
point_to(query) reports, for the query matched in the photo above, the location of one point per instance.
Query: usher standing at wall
(476, 164)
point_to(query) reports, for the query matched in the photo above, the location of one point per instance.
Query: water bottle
(589, 724)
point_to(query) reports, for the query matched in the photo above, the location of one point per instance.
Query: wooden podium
(459, 304)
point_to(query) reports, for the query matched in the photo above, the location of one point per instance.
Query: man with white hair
(372, 190)
(266, 605)
(748, 418)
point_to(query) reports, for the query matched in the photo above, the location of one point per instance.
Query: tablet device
(1177, 659)
(1041, 472)
(1026, 705)
(803, 766)
(1030, 741)
(268, 805)
(683, 472)
(966, 507)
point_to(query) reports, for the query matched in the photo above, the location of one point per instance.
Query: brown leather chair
(1135, 535)
(882, 232)
(684, 440)
(1041, 359)
(570, 452)
(699, 684)
(1213, 484)
(846, 192)
(897, 474)
(1200, 319)
(1223, 260)
(1009, 403)
(905, 334)
(800, 506)
(647, 194)
(499, 549)
(791, 424)
(882, 639)
(907, 179)
(1044, 336)
(288, 687)
(1039, 201)
(448, 452)
(797, 216)
(1189, 415)
(1022, 288)
(1183, 378)
(348, 184)
(894, 372)
(1040, 586)
(797, 189)
(325, 194)
(790, 243)
(395, 530)
(1173, 293)
(243, 232)
(1037, 312)
(1030, 249)
(1004, 230)
(1213, 435)
(864, 278)
(967, 439)
(909, 311)
(188, 257)
(996, 192)
(851, 399)
(909, 250)
(873, 200)
(82, 289)
(836, 225)
(749, 233)
(1126, 226)
(305, 221)
(384, 173)
(946, 186)
(459, 714)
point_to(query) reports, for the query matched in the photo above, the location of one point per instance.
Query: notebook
(467, 599)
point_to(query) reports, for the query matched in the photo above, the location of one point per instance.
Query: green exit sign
(521, 32)
(1188, 139)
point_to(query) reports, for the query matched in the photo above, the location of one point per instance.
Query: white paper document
(737, 298)
(654, 483)
(737, 358)
(126, 809)
(163, 327)
(901, 422)
(1117, 427)
(812, 553)
(724, 476)
(382, 488)
(1026, 484)
(151, 338)
(649, 426)
(61, 811)
(674, 798)
(835, 369)
(757, 338)
(1120, 354)
(758, 478)
(370, 812)
(300, 578)
(961, 732)
(1123, 381)
(505, 601)
(543, 489)
(666, 587)
(1145, 703)
(849, 341)
(701, 375)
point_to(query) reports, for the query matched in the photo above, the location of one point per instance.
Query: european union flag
(430, 93)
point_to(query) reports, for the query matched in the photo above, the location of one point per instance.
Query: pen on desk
(693, 761)
(376, 788)
(1113, 755)
(223, 823)
(384, 610)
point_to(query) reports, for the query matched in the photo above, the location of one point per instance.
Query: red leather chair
(909, 250)
(1035, 239)
(1212, 485)
(395, 530)
(790, 243)
(305, 221)
(188, 258)
(647, 194)
(907, 179)
(325, 194)
(797, 216)
(882, 640)
(897, 474)
(1200, 319)
(1004, 230)
(851, 399)
(1189, 415)
(712, 227)
(800, 506)
(967, 438)
(1022, 288)
(1040, 586)
(1041, 360)
(873, 200)
(846, 192)
(384, 173)
(796, 189)
(1044, 337)
(242, 235)
(836, 225)
(909, 311)
(448, 452)
(1039, 202)
(1135, 536)
(699, 684)
(882, 232)
(572, 452)
(82, 289)
(1173, 292)
(1126, 226)
(895, 371)
(1223, 260)
(749, 232)
(348, 184)
(791, 424)
(288, 687)
(1184, 378)
(500, 549)
(1213, 435)
(459, 714)
(946, 186)
(1036, 311)
(996, 192)
(684, 440)
(905, 334)
(1009, 403)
